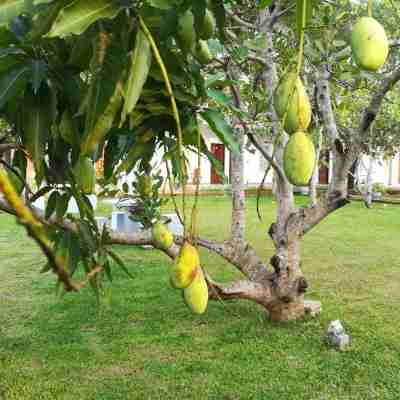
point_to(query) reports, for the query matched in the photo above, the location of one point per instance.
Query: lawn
(141, 342)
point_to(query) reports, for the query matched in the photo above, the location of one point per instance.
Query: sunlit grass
(143, 343)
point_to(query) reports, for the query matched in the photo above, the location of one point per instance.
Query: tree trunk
(370, 182)
(238, 195)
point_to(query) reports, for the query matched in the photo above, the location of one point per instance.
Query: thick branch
(311, 216)
(324, 103)
(244, 259)
(376, 102)
(243, 289)
(284, 192)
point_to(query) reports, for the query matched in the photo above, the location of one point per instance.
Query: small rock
(335, 328)
(337, 337)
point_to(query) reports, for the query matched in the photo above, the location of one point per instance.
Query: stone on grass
(337, 337)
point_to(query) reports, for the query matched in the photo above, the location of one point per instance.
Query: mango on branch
(196, 294)
(298, 111)
(299, 159)
(208, 26)
(184, 269)
(202, 52)
(187, 32)
(369, 44)
(162, 237)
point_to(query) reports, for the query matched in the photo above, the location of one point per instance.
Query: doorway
(218, 151)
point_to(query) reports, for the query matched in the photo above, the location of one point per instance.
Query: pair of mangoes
(293, 106)
(186, 272)
(188, 39)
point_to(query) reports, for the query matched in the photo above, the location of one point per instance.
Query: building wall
(387, 172)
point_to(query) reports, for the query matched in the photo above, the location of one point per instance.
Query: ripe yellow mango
(184, 269)
(299, 159)
(196, 294)
(298, 115)
(369, 44)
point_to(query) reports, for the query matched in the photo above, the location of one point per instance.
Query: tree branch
(372, 110)
(240, 21)
(265, 154)
(243, 289)
(7, 147)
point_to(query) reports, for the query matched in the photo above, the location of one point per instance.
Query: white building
(385, 172)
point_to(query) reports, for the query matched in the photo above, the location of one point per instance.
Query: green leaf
(19, 161)
(37, 118)
(218, 9)
(40, 193)
(138, 73)
(221, 128)
(62, 205)
(7, 37)
(103, 83)
(265, 3)
(219, 97)
(118, 260)
(43, 21)
(68, 129)
(13, 83)
(78, 16)
(51, 204)
(169, 23)
(113, 152)
(199, 12)
(82, 51)
(9, 9)
(161, 4)
(39, 74)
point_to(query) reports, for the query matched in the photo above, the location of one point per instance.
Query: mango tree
(123, 79)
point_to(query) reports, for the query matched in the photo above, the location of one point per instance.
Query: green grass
(143, 343)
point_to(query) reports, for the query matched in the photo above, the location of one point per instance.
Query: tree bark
(238, 224)
(370, 182)
(288, 283)
(315, 176)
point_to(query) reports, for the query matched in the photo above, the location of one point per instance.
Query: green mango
(298, 115)
(208, 26)
(187, 32)
(299, 159)
(369, 44)
(202, 52)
